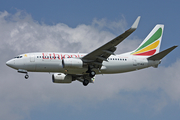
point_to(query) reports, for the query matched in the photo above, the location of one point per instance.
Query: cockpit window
(18, 57)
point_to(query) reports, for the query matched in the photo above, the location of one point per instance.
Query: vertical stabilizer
(151, 44)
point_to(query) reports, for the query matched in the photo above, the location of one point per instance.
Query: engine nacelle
(61, 78)
(72, 63)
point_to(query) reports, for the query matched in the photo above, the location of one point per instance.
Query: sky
(82, 26)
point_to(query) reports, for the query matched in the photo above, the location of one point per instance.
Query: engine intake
(61, 78)
(72, 63)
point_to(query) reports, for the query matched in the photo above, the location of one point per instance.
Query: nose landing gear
(24, 71)
(26, 76)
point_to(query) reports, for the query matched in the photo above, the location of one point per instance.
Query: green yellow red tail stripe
(149, 46)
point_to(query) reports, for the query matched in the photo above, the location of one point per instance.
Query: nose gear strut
(24, 71)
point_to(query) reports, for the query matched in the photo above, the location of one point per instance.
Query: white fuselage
(52, 62)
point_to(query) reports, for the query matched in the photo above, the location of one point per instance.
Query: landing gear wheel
(85, 82)
(92, 74)
(26, 76)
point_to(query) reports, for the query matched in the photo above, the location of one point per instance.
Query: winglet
(135, 24)
(162, 54)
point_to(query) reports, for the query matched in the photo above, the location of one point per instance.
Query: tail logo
(149, 47)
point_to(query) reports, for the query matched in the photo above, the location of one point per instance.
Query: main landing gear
(91, 75)
(85, 82)
(91, 72)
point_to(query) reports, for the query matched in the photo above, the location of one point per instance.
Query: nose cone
(10, 63)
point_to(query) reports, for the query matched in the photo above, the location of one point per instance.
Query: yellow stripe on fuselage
(148, 48)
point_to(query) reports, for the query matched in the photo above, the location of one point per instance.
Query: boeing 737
(68, 67)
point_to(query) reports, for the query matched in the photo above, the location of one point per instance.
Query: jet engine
(72, 63)
(61, 78)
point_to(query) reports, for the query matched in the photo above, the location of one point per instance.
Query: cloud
(114, 26)
(19, 33)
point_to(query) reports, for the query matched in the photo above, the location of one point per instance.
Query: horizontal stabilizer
(162, 54)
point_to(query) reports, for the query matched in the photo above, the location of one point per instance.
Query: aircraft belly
(75, 71)
(117, 67)
(124, 66)
(48, 66)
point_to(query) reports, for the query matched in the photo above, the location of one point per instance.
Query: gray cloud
(19, 33)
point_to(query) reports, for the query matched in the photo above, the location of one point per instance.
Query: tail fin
(151, 43)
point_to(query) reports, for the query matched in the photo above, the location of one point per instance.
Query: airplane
(68, 67)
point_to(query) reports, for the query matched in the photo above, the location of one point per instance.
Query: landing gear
(91, 72)
(85, 82)
(24, 71)
(26, 76)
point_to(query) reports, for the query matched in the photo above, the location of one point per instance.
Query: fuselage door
(32, 58)
(134, 61)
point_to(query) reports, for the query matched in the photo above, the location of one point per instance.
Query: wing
(96, 57)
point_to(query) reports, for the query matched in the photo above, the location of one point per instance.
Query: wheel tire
(85, 82)
(92, 74)
(26, 76)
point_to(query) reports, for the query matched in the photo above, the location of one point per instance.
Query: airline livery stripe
(150, 47)
(153, 38)
(148, 53)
